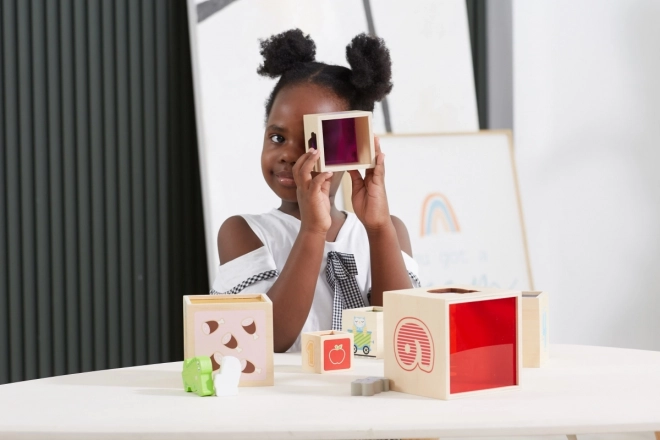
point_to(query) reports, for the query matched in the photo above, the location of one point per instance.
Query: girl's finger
(377, 144)
(356, 180)
(378, 172)
(318, 181)
(302, 170)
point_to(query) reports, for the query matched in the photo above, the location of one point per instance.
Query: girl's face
(284, 138)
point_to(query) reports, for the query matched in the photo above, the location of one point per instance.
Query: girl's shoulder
(241, 234)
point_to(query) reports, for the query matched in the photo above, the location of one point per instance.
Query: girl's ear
(283, 51)
(371, 64)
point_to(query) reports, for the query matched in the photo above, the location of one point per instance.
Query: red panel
(482, 345)
(337, 354)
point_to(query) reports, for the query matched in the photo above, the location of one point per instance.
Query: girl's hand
(313, 194)
(369, 197)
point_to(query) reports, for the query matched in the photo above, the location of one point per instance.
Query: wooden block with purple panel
(453, 341)
(344, 140)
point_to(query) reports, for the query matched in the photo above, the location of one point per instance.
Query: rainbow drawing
(437, 210)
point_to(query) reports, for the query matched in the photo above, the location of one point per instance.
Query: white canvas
(458, 197)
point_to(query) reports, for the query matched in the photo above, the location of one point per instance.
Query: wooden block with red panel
(344, 140)
(326, 351)
(232, 325)
(453, 341)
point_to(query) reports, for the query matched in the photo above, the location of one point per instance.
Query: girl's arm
(388, 270)
(387, 234)
(293, 291)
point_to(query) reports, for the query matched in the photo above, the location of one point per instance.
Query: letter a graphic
(413, 345)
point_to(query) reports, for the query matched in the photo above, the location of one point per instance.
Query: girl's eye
(276, 138)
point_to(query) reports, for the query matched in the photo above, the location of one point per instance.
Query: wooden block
(327, 351)
(366, 324)
(345, 140)
(369, 386)
(227, 379)
(197, 376)
(232, 325)
(535, 321)
(453, 341)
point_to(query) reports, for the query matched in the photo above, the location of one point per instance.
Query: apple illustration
(337, 354)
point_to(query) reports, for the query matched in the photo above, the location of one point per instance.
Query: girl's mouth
(286, 179)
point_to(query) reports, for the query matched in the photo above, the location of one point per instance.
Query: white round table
(582, 390)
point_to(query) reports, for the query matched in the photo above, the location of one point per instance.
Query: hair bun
(370, 62)
(283, 51)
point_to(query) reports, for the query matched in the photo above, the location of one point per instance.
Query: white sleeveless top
(257, 271)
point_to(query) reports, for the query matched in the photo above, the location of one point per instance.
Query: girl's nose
(291, 152)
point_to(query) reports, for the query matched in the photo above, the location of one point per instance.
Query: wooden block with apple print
(327, 351)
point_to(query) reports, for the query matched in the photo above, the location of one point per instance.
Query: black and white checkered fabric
(415, 281)
(250, 281)
(340, 272)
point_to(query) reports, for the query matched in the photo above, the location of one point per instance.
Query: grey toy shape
(369, 386)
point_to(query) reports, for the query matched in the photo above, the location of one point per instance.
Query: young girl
(312, 259)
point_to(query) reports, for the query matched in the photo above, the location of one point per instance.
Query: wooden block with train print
(327, 351)
(366, 324)
(232, 325)
(453, 341)
(344, 140)
(535, 329)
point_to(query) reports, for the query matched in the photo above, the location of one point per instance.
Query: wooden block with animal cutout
(453, 341)
(535, 321)
(232, 325)
(344, 140)
(366, 324)
(327, 351)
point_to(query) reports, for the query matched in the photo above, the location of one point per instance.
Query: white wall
(587, 131)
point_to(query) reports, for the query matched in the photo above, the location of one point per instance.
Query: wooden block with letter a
(453, 341)
(535, 329)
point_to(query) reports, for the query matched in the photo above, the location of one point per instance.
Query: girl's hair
(290, 55)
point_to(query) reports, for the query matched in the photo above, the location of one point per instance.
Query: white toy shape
(226, 380)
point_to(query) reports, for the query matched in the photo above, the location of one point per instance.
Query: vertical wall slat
(42, 206)
(70, 181)
(125, 200)
(137, 171)
(162, 103)
(150, 178)
(98, 293)
(101, 229)
(28, 245)
(174, 187)
(85, 262)
(13, 177)
(56, 187)
(111, 176)
(4, 281)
